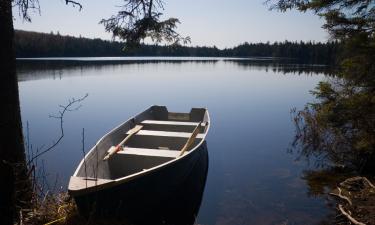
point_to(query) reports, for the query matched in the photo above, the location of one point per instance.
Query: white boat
(140, 162)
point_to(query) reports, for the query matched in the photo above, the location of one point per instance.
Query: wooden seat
(150, 152)
(167, 134)
(167, 122)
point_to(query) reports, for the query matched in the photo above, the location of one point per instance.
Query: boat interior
(163, 136)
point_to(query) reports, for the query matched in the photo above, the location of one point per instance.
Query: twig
(67, 108)
(24, 6)
(349, 217)
(28, 140)
(45, 196)
(44, 177)
(31, 170)
(97, 165)
(84, 154)
(352, 179)
(74, 3)
(21, 218)
(55, 184)
(341, 196)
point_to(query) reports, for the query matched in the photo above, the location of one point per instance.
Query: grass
(60, 209)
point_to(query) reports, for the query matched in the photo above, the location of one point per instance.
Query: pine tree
(341, 127)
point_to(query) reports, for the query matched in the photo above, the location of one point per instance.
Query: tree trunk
(12, 153)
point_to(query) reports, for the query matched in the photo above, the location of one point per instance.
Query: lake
(252, 179)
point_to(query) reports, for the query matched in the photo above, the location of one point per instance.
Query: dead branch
(84, 153)
(349, 217)
(24, 6)
(354, 179)
(60, 116)
(21, 218)
(341, 196)
(74, 3)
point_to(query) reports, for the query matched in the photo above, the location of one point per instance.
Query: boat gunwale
(133, 176)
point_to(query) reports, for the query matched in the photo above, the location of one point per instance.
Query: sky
(221, 23)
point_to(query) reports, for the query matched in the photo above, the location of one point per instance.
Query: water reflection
(283, 66)
(322, 181)
(34, 69)
(251, 178)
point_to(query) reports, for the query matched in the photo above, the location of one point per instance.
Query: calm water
(251, 177)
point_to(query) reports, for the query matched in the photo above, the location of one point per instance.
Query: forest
(34, 44)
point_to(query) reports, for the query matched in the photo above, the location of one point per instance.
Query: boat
(140, 163)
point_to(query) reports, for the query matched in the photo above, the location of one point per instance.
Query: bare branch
(60, 116)
(24, 7)
(341, 196)
(74, 3)
(348, 216)
(356, 179)
(84, 153)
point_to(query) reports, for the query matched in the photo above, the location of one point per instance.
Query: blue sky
(222, 23)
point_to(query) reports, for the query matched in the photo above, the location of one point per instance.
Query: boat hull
(155, 195)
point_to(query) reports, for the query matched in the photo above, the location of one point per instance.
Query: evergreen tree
(341, 127)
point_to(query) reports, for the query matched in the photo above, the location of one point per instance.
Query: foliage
(302, 52)
(24, 7)
(140, 19)
(136, 21)
(341, 126)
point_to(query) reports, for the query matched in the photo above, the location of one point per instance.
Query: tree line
(34, 44)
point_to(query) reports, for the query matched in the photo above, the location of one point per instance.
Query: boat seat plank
(150, 152)
(167, 134)
(167, 122)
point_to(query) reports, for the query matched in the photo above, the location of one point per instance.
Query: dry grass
(53, 207)
(60, 209)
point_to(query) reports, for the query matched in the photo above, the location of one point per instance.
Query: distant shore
(41, 45)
